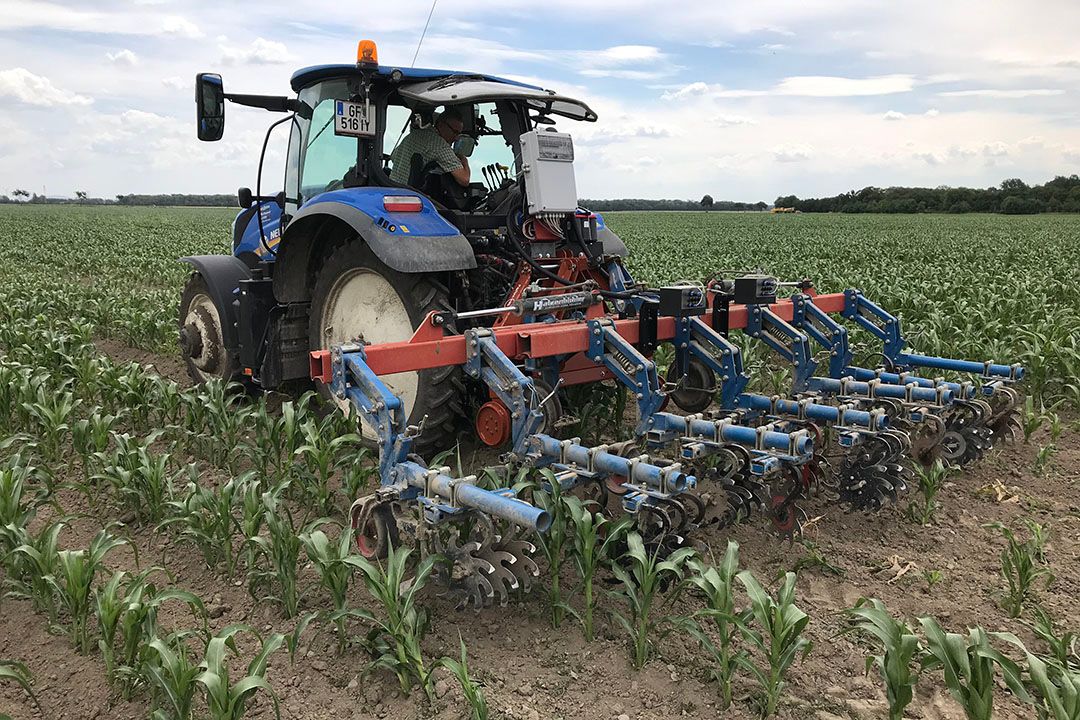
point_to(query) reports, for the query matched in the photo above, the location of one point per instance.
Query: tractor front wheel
(357, 298)
(201, 340)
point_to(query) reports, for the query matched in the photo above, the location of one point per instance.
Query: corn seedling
(901, 651)
(1020, 568)
(206, 518)
(139, 623)
(715, 584)
(814, 559)
(642, 575)
(170, 675)
(394, 640)
(17, 507)
(932, 578)
(52, 412)
(1057, 688)
(591, 540)
(321, 455)
(226, 700)
(329, 560)
(472, 689)
(775, 628)
(553, 543)
(90, 437)
(1063, 646)
(18, 673)
(279, 551)
(73, 581)
(292, 640)
(32, 563)
(1043, 457)
(1031, 419)
(968, 665)
(931, 479)
(1040, 536)
(252, 514)
(227, 421)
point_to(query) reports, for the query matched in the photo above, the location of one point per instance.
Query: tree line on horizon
(1012, 197)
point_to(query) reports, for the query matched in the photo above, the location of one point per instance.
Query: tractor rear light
(402, 203)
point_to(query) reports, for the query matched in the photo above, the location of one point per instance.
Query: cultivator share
(428, 303)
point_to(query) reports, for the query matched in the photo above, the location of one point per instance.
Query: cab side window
(328, 156)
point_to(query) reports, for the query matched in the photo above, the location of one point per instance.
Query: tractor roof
(445, 87)
(306, 76)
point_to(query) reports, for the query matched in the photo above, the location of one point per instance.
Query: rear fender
(409, 242)
(223, 274)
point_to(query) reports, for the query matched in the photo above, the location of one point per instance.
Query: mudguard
(409, 242)
(613, 244)
(222, 274)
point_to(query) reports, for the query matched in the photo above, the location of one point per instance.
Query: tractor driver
(429, 149)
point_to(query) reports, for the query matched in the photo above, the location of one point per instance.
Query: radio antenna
(430, 13)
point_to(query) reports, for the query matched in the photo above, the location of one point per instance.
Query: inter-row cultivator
(426, 301)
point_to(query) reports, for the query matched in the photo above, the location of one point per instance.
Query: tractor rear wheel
(201, 340)
(357, 298)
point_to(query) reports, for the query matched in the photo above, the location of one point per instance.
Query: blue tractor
(345, 253)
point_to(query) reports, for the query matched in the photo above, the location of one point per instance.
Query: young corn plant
(17, 506)
(1057, 688)
(90, 438)
(394, 639)
(330, 562)
(52, 414)
(1021, 569)
(321, 455)
(716, 585)
(553, 543)
(18, 673)
(774, 626)
(73, 581)
(470, 686)
(591, 540)
(276, 556)
(642, 576)
(32, 563)
(227, 700)
(901, 651)
(252, 514)
(206, 517)
(931, 479)
(968, 664)
(227, 421)
(1063, 645)
(171, 677)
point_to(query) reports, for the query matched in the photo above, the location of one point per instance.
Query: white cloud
(932, 112)
(1003, 94)
(625, 62)
(694, 88)
(1072, 156)
(122, 57)
(733, 120)
(773, 47)
(828, 86)
(894, 115)
(32, 89)
(791, 154)
(175, 83)
(182, 27)
(260, 52)
(996, 149)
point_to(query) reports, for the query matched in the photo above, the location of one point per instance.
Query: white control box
(547, 160)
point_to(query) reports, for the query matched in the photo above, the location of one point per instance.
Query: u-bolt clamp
(563, 447)
(909, 389)
(592, 457)
(759, 442)
(793, 441)
(468, 480)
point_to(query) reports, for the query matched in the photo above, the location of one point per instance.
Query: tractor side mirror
(210, 106)
(243, 197)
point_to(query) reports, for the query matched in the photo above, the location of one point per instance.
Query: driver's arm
(461, 175)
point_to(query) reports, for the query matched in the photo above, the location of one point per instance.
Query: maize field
(177, 552)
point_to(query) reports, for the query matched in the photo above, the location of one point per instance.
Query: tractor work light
(367, 53)
(402, 203)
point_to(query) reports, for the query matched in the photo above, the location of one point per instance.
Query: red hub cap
(493, 423)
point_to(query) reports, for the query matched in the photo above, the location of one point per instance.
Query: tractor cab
(347, 120)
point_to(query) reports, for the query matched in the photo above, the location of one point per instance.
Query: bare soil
(531, 671)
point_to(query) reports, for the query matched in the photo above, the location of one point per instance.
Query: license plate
(354, 119)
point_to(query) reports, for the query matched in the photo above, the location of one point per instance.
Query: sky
(743, 100)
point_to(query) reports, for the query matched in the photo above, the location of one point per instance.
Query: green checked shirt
(430, 146)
